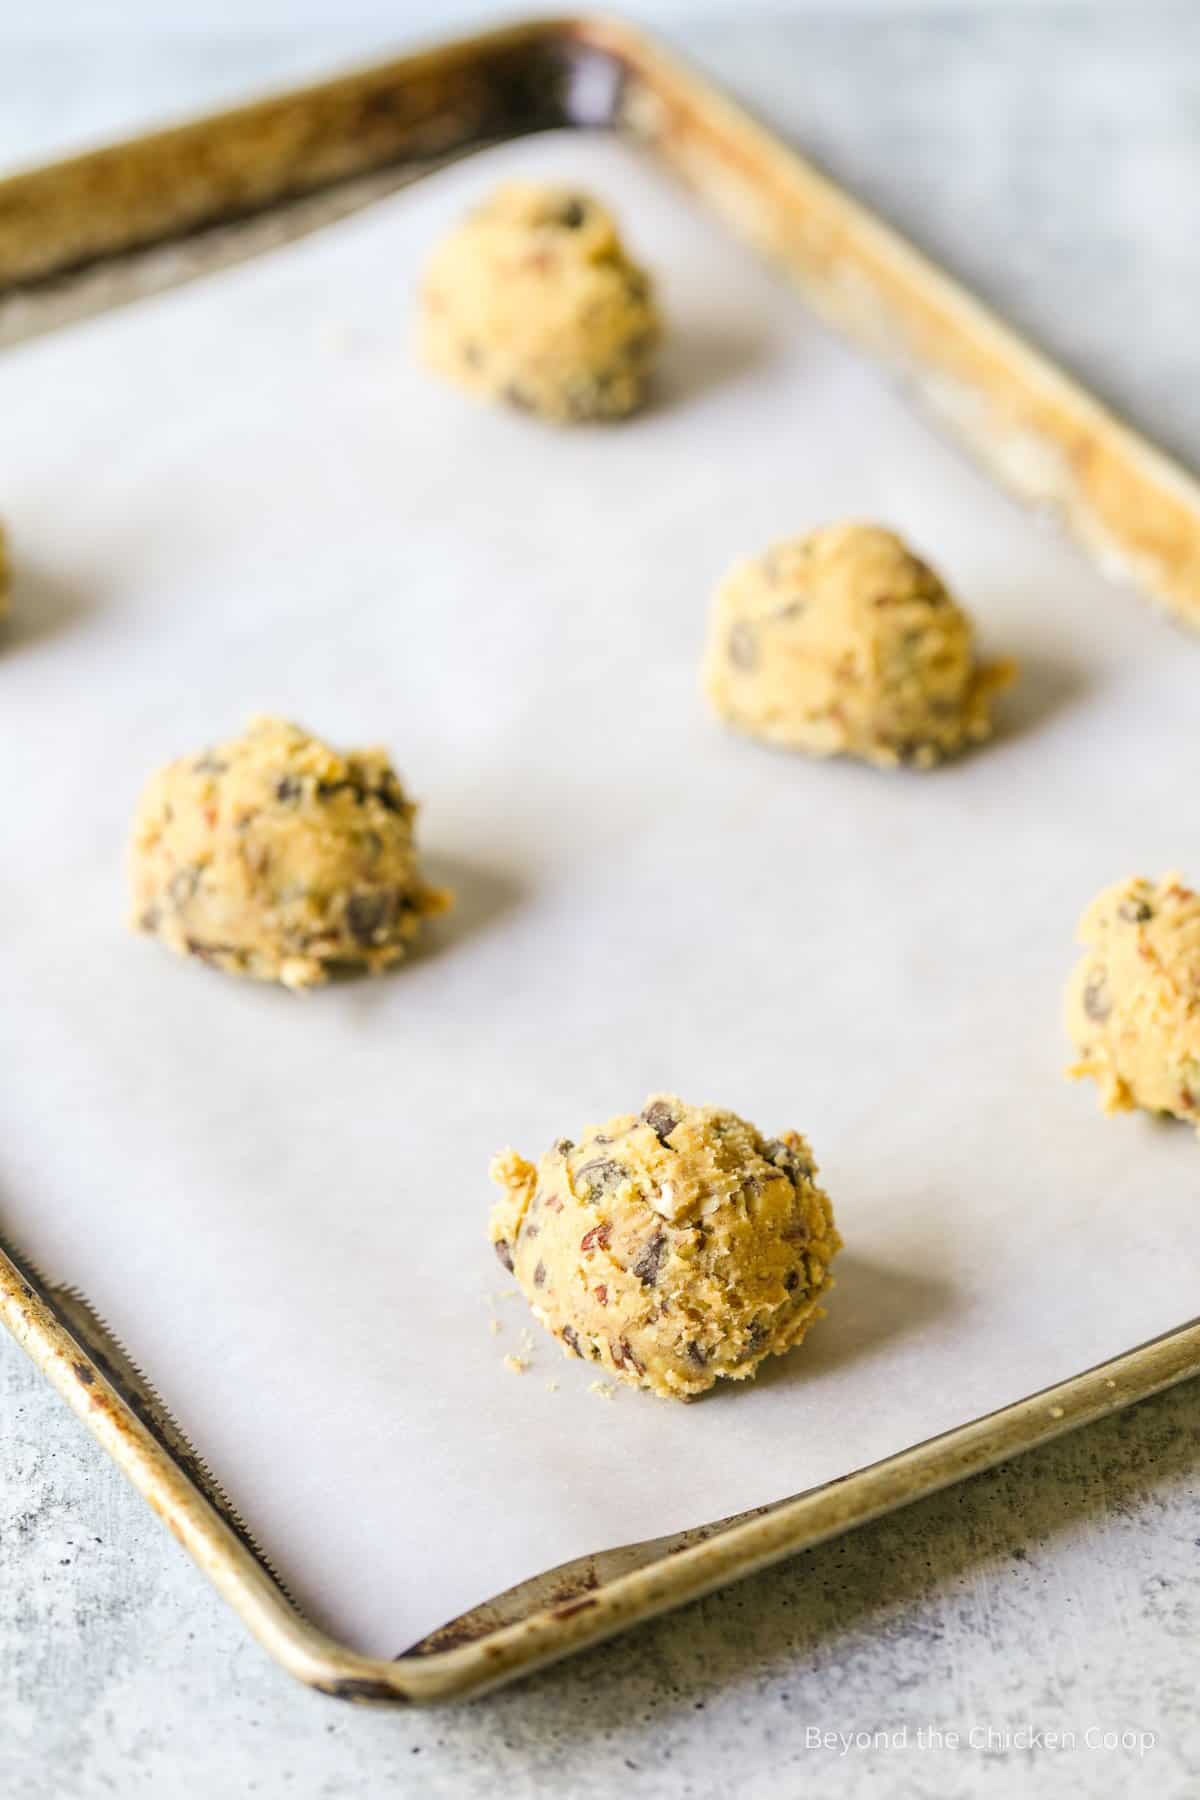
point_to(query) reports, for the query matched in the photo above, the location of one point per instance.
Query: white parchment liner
(244, 496)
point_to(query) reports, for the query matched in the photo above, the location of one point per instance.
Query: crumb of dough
(277, 857)
(605, 1389)
(532, 301)
(496, 1326)
(552, 1387)
(843, 643)
(1133, 1001)
(517, 1365)
(672, 1247)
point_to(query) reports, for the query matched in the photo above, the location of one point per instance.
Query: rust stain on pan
(228, 166)
(576, 1606)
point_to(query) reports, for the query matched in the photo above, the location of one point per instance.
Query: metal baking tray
(89, 233)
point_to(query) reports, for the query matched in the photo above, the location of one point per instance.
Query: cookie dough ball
(1133, 1002)
(672, 1247)
(277, 857)
(845, 643)
(533, 301)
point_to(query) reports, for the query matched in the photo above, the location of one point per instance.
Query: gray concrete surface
(1052, 155)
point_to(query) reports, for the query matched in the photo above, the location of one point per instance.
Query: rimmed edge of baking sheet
(575, 1606)
(70, 238)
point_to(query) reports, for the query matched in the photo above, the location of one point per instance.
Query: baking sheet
(244, 496)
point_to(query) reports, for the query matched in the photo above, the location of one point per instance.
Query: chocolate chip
(650, 1260)
(758, 1336)
(1097, 1003)
(572, 214)
(742, 646)
(791, 1280)
(504, 1253)
(389, 793)
(696, 1353)
(348, 785)
(562, 1146)
(661, 1120)
(791, 1163)
(602, 1175)
(755, 1183)
(570, 1337)
(368, 914)
(288, 789)
(1135, 912)
(539, 1275)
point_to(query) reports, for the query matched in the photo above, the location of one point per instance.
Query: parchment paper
(245, 496)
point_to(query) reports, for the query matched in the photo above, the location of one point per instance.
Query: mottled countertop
(1051, 155)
